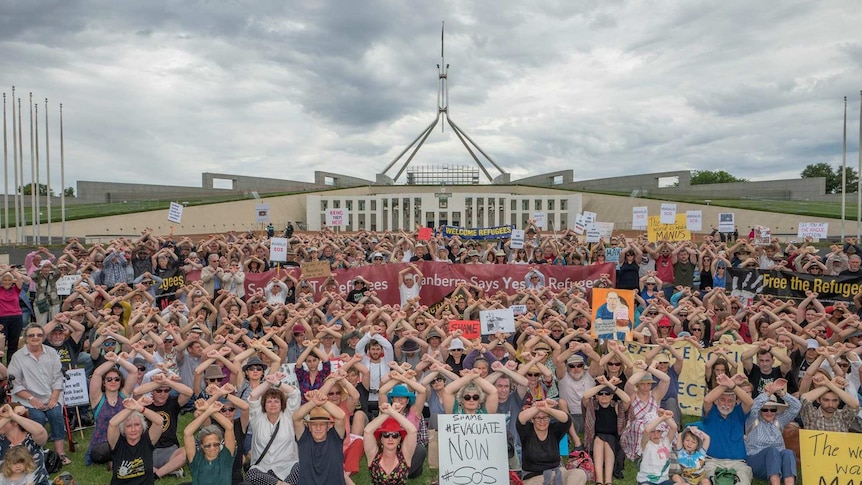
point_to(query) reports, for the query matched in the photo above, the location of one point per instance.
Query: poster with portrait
(613, 313)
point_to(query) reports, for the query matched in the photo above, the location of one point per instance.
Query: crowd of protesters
(371, 377)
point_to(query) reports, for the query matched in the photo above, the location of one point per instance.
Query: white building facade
(396, 211)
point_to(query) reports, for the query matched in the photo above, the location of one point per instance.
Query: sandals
(65, 460)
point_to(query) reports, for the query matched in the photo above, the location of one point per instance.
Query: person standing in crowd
(11, 284)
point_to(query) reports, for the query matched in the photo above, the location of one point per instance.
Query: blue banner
(497, 232)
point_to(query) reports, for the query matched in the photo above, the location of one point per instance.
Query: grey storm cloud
(160, 91)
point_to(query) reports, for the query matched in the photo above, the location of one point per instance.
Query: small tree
(69, 191)
(832, 176)
(703, 177)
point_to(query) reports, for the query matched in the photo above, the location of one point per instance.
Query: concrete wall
(340, 180)
(245, 183)
(791, 189)
(102, 192)
(628, 183)
(547, 179)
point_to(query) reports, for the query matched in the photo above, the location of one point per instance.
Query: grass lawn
(97, 475)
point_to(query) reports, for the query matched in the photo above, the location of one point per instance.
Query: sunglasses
(334, 393)
(109, 344)
(575, 366)
(211, 445)
(605, 393)
(228, 409)
(214, 379)
(142, 369)
(390, 434)
(113, 379)
(769, 410)
(438, 379)
(614, 364)
(151, 346)
(531, 374)
(161, 391)
(695, 330)
(256, 367)
(471, 397)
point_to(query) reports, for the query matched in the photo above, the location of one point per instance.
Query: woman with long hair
(389, 442)
(108, 388)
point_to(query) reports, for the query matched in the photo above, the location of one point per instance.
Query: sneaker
(178, 473)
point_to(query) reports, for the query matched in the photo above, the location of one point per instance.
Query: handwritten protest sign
(517, 241)
(694, 220)
(656, 231)
(75, 390)
(612, 255)
(817, 230)
(829, 458)
(175, 213)
(336, 218)
(470, 329)
(315, 269)
(580, 224)
(668, 213)
(65, 283)
(593, 234)
(639, 218)
(278, 249)
(589, 217)
(501, 320)
(470, 449)
(541, 220)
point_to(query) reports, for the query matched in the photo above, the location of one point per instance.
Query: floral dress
(631, 438)
(398, 476)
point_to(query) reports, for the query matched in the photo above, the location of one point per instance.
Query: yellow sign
(830, 458)
(656, 231)
(692, 379)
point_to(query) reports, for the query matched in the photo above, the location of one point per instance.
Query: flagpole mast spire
(444, 116)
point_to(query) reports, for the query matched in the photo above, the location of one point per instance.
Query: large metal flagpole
(844, 173)
(33, 189)
(15, 163)
(21, 220)
(5, 174)
(48, 171)
(62, 181)
(37, 212)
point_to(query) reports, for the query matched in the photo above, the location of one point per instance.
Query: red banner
(439, 279)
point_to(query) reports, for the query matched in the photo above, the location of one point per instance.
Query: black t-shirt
(541, 455)
(426, 257)
(759, 380)
(170, 413)
(355, 295)
(68, 351)
(133, 464)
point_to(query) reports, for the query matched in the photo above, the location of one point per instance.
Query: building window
(538, 204)
(525, 205)
(362, 205)
(564, 204)
(374, 207)
(324, 204)
(550, 204)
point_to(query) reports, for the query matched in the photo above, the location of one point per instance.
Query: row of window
(443, 203)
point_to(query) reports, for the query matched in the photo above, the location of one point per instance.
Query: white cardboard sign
(65, 284)
(517, 240)
(541, 220)
(261, 213)
(278, 249)
(668, 213)
(500, 320)
(639, 218)
(472, 449)
(816, 230)
(725, 222)
(694, 220)
(75, 390)
(336, 218)
(175, 213)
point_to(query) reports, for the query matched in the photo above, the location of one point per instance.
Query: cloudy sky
(160, 91)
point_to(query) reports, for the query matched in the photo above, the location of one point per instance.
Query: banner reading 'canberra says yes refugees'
(744, 282)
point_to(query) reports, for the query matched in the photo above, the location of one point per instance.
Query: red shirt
(9, 301)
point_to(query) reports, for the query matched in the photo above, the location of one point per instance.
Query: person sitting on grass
(656, 448)
(218, 444)
(321, 454)
(691, 456)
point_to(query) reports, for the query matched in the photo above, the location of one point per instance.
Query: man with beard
(725, 410)
(377, 353)
(829, 394)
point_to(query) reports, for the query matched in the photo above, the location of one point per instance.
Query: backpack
(581, 459)
(725, 476)
(52, 461)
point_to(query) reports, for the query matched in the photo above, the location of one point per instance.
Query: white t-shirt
(408, 292)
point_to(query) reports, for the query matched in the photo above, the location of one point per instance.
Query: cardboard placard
(829, 457)
(315, 269)
(593, 233)
(175, 213)
(656, 231)
(278, 249)
(76, 392)
(425, 233)
(639, 218)
(517, 241)
(541, 220)
(500, 320)
(261, 213)
(817, 230)
(336, 217)
(470, 329)
(694, 220)
(668, 213)
(470, 449)
(726, 222)
(65, 284)
(590, 217)
(613, 313)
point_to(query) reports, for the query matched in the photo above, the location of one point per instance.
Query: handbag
(271, 439)
(581, 459)
(43, 306)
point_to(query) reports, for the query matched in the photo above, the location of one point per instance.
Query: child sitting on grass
(691, 456)
(656, 448)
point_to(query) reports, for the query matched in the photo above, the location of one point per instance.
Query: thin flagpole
(15, 162)
(844, 173)
(21, 167)
(62, 181)
(37, 212)
(33, 189)
(48, 171)
(5, 174)
(859, 179)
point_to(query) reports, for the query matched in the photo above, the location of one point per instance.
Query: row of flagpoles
(18, 164)
(858, 178)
